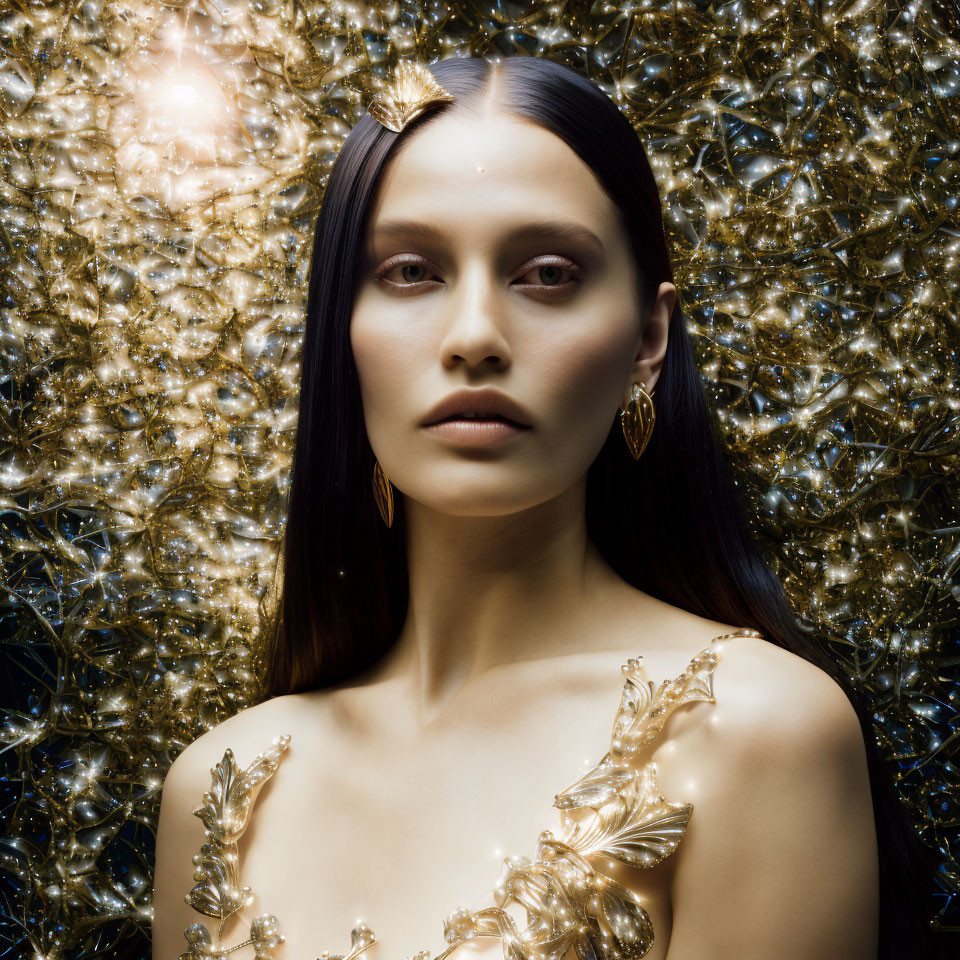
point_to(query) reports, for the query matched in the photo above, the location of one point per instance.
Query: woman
(490, 247)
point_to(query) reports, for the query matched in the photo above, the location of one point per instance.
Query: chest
(360, 826)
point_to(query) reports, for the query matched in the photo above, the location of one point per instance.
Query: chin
(480, 501)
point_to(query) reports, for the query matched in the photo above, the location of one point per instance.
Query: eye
(547, 273)
(412, 272)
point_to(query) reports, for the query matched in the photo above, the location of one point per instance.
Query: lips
(476, 431)
(483, 419)
(484, 403)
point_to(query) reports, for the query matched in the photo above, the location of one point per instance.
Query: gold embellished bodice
(569, 903)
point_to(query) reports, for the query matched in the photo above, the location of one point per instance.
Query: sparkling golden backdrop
(162, 166)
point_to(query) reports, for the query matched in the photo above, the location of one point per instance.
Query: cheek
(386, 356)
(584, 373)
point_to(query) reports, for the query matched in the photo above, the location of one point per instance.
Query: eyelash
(562, 262)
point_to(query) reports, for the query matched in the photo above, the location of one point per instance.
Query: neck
(487, 591)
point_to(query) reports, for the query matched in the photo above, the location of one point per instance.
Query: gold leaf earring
(637, 419)
(383, 493)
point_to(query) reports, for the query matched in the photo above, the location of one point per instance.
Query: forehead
(490, 173)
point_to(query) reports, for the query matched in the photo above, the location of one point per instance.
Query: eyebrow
(535, 230)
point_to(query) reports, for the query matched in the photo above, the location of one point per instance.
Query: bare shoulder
(180, 834)
(763, 690)
(246, 733)
(770, 697)
(782, 812)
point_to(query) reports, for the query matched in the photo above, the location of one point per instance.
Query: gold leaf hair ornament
(411, 90)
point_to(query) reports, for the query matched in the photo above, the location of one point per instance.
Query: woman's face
(494, 260)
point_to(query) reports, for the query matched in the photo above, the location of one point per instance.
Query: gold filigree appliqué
(570, 906)
(225, 812)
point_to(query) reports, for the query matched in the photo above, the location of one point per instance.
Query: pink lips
(476, 432)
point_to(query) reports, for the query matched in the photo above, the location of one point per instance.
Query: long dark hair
(344, 590)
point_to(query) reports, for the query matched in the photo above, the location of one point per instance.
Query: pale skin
(403, 791)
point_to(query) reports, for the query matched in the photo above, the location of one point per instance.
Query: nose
(475, 330)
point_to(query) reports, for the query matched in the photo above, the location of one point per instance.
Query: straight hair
(673, 524)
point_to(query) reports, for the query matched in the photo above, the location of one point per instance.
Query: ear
(652, 346)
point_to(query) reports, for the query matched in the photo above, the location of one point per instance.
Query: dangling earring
(383, 493)
(637, 420)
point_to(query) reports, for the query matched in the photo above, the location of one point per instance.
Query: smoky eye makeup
(535, 243)
(545, 275)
